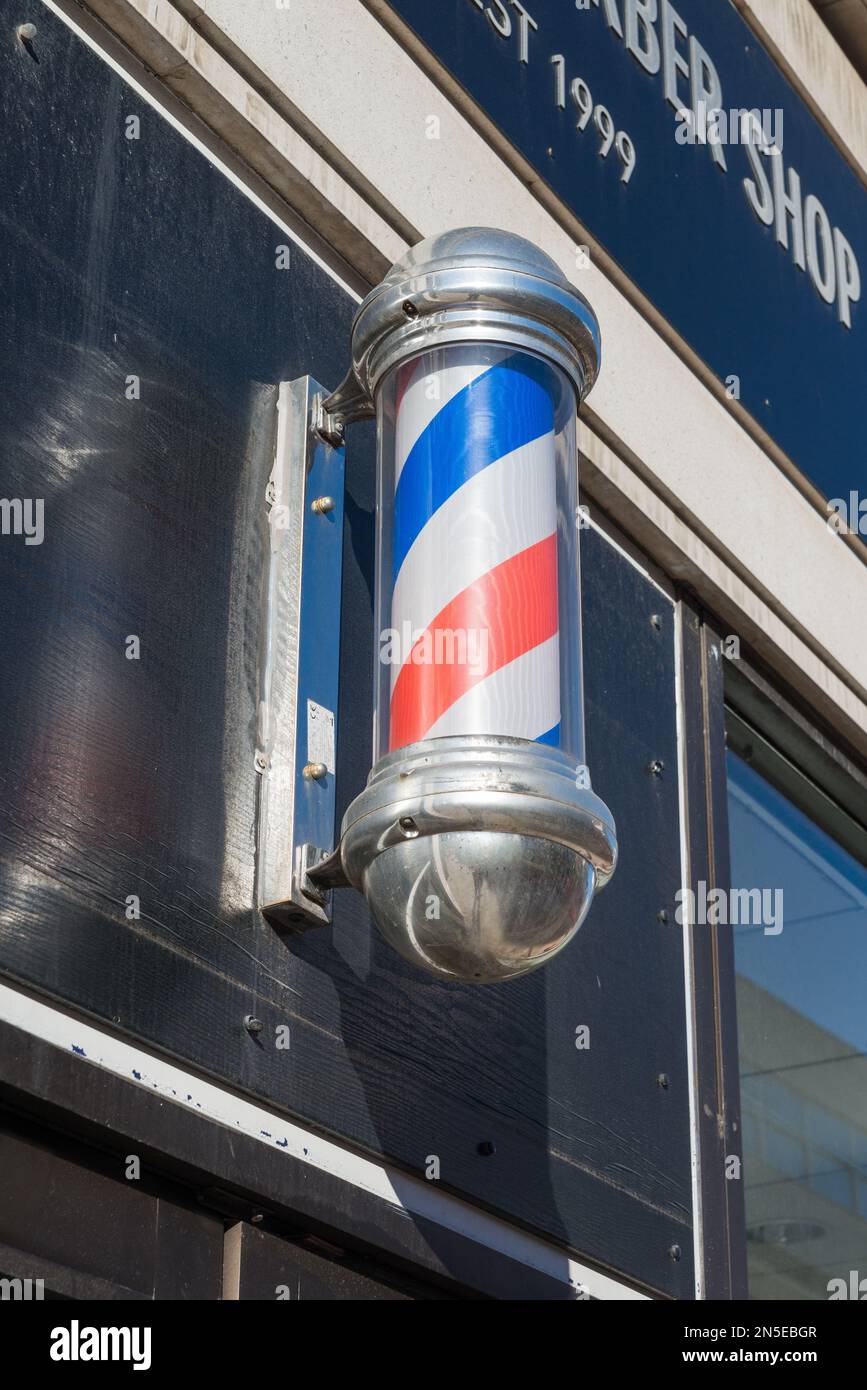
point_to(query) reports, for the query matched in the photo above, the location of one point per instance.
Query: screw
(656, 768)
(260, 762)
(656, 622)
(257, 1218)
(314, 772)
(662, 916)
(487, 1148)
(674, 1253)
(409, 827)
(662, 1081)
(253, 1025)
(322, 505)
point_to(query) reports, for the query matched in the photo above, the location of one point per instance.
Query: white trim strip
(142, 1068)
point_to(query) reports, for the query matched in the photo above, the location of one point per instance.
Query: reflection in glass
(802, 1028)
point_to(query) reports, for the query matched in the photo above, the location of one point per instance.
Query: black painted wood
(71, 1216)
(262, 1266)
(123, 778)
(236, 1177)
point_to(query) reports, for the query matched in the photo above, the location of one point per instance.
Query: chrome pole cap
(474, 285)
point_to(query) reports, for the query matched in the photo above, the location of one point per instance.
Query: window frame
(734, 703)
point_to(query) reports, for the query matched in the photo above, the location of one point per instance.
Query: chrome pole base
(479, 856)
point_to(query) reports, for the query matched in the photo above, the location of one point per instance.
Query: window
(801, 963)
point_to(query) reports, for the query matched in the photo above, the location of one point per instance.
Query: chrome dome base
(478, 856)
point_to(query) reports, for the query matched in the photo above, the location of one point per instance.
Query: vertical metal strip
(685, 742)
(726, 1040)
(297, 723)
(710, 1000)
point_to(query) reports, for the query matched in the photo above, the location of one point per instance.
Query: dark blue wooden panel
(136, 777)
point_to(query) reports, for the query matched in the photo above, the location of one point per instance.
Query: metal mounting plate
(297, 727)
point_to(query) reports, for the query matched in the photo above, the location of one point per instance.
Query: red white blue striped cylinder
(474, 578)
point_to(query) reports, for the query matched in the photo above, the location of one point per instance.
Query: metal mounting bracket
(297, 724)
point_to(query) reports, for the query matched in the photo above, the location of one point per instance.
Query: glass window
(802, 1030)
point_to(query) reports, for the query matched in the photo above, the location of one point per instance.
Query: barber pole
(474, 548)
(478, 840)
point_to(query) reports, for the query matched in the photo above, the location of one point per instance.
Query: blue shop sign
(748, 233)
